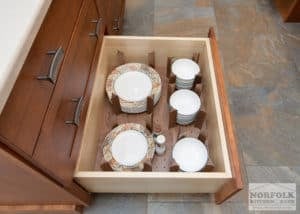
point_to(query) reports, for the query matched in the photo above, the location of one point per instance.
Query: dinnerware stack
(190, 154)
(128, 146)
(187, 103)
(133, 83)
(185, 71)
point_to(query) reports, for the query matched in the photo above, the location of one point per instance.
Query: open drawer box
(224, 180)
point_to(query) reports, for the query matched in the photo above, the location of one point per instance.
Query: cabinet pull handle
(97, 29)
(56, 60)
(116, 24)
(77, 113)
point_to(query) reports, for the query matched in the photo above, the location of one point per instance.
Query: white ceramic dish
(129, 147)
(186, 102)
(133, 83)
(185, 69)
(190, 154)
(133, 86)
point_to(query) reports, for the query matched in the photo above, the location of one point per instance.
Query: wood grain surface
(237, 183)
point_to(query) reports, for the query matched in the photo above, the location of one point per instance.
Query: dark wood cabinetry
(24, 111)
(48, 113)
(40, 121)
(55, 144)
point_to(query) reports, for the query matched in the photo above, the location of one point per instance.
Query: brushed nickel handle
(97, 28)
(116, 24)
(77, 113)
(56, 60)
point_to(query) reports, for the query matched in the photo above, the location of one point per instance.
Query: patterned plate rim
(150, 72)
(107, 154)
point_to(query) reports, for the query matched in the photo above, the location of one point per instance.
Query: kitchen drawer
(224, 180)
(115, 13)
(54, 149)
(24, 111)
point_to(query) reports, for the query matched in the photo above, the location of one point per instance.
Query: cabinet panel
(55, 144)
(21, 184)
(115, 12)
(24, 111)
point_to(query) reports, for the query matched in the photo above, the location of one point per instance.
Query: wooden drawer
(223, 181)
(54, 150)
(24, 112)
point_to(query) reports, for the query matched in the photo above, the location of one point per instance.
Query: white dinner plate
(133, 83)
(129, 147)
(133, 86)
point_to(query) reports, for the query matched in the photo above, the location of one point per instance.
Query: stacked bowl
(185, 71)
(187, 103)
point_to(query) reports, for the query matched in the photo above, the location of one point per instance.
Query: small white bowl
(186, 102)
(185, 69)
(190, 154)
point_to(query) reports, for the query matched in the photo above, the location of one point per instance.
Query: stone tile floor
(261, 59)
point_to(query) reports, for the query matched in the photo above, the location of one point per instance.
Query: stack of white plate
(190, 154)
(133, 83)
(128, 146)
(187, 103)
(185, 71)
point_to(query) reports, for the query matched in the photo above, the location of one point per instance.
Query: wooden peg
(120, 58)
(116, 104)
(149, 122)
(171, 89)
(151, 59)
(202, 137)
(196, 57)
(200, 119)
(198, 89)
(210, 166)
(173, 166)
(180, 134)
(170, 60)
(172, 78)
(156, 127)
(147, 166)
(172, 118)
(197, 81)
(150, 104)
(106, 167)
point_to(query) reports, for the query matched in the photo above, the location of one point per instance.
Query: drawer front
(55, 145)
(23, 114)
(115, 13)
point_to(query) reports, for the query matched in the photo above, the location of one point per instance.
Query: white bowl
(186, 102)
(190, 154)
(185, 69)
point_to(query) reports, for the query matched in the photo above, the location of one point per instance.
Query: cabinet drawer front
(23, 114)
(55, 144)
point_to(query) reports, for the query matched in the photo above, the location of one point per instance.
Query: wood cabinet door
(115, 13)
(54, 150)
(22, 184)
(24, 111)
